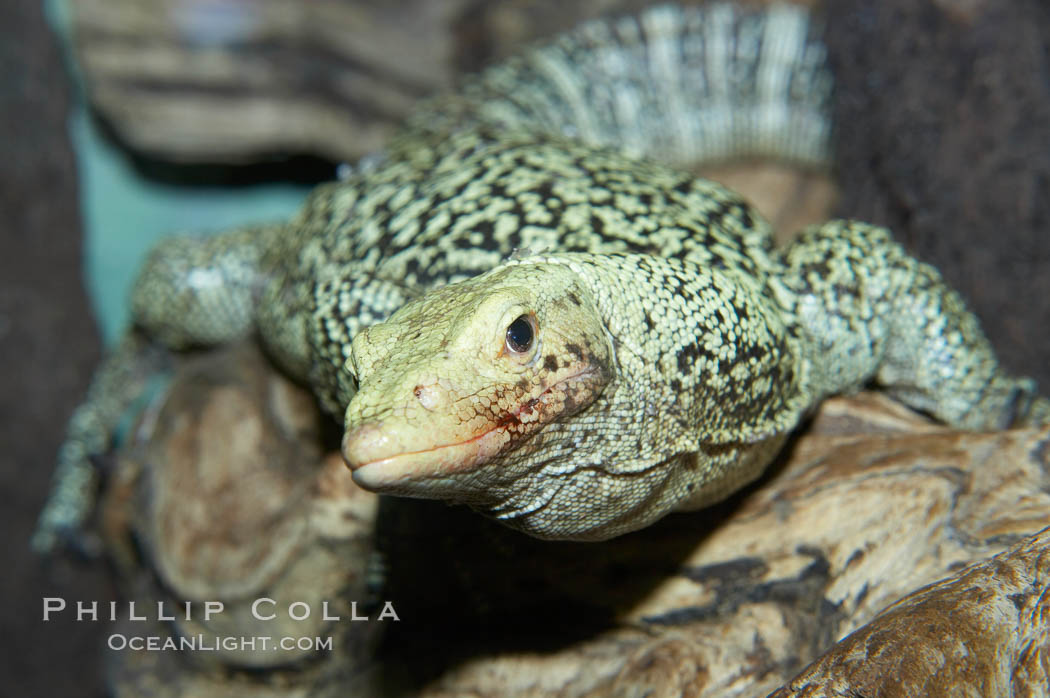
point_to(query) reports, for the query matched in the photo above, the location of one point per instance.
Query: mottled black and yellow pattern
(369, 245)
(671, 348)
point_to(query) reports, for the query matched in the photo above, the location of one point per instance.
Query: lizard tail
(682, 86)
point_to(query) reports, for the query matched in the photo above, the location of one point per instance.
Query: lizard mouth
(364, 446)
(384, 473)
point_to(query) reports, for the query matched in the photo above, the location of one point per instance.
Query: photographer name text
(263, 609)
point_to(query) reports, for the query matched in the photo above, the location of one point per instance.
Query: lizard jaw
(383, 474)
(379, 462)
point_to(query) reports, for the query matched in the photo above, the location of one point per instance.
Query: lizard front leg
(877, 314)
(191, 292)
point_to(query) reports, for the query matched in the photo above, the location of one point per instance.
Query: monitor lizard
(513, 306)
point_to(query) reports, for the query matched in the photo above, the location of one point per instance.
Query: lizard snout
(365, 444)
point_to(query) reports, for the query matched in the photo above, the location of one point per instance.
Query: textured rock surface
(230, 497)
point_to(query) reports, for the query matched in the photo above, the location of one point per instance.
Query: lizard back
(554, 151)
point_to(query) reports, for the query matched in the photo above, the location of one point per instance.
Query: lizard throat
(393, 472)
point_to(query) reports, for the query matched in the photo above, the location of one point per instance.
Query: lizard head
(456, 386)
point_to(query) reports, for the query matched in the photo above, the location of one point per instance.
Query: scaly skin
(651, 384)
(670, 350)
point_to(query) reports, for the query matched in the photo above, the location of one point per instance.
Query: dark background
(944, 113)
(48, 346)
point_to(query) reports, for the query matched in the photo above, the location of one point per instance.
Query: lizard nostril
(427, 395)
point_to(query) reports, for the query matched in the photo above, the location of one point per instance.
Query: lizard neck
(701, 355)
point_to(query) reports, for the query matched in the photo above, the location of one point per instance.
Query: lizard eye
(520, 335)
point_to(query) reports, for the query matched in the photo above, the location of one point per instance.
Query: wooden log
(983, 632)
(222, 81)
